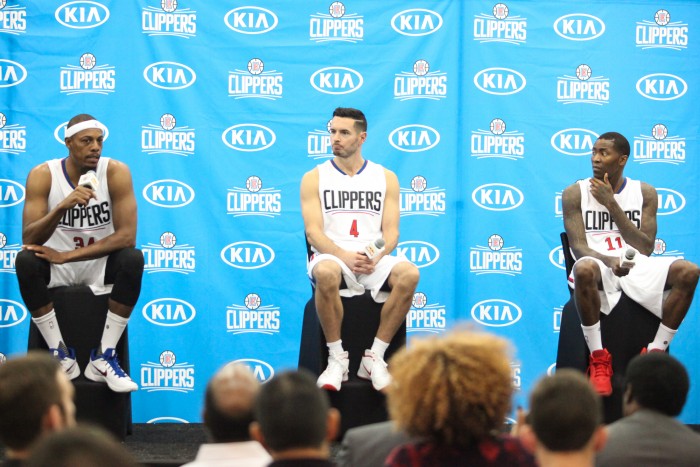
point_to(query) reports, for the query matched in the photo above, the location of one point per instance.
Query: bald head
(228, 405)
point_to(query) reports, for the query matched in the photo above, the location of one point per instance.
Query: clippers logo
(662, 33)
(494, 259)
(263, 371)
(499, 26)
(583, 88)
(574, 141)
(11, 73)
(167, 138)
(422, 254)
(60, 131)
(579, 27)
(252, 317)
(558, 209)
(419, 200)
(13, 18)
(659, 147)
(171, 76)
(336, 80)
(247, 255)
(497, 142)
(670, 201)
(556, 257)
(423, 317)
(319, 144)
(254, 200)
(416, 22)
(12, 313)
(167, 375)
(421, 83)
(661, 250)
(496, 313)
(497, 197)
(11, 193)
(8, 254)
(168, 193)
(248, 137)
(82, 14)
(168, 312)
(168, 256)
(499, 81)
(13, 138)
(337, 25)
(556, 318)
(662, 86)
(414, 138)
(251, 20)
(516, 370)
(88, 78)
(167, 21)
(255, 82)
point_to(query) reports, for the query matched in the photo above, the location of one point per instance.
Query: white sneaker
(374, 369)
(336, 372)
(67, 360)
(105, 368)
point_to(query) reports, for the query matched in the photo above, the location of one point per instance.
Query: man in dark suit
(649, 434)
(369, 445)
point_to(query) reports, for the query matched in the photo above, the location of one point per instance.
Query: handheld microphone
(627, 258)
(375, 247)
(89, 180)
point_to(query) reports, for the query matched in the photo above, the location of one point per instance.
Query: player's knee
(585, 271)
(327, 275)
(27, 263)
(407, 275)
(688, 274)
(131, 259)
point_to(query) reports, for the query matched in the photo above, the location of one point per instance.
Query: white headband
(84, 126)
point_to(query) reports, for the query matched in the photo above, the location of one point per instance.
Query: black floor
(165, 444)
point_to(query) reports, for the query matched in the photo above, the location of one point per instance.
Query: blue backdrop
(486, 111)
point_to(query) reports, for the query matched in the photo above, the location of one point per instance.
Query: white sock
(664, 336)
(48, 327)
(592, 336)
(379, 347)
(114, 328)
(335, 347)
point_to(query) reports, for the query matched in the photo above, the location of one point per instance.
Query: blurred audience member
(369, 445)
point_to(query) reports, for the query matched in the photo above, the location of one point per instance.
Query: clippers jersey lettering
(352, 206)
(80, 225)
(602, 234)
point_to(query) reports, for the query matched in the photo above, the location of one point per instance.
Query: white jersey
(80, 227)
(602, 234)
(352, 207)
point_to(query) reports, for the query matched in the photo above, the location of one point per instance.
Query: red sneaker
(600, 371)
(646, 350)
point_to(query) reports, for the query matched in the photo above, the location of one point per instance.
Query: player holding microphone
(608, 217)
(350, 208)
(79, 227)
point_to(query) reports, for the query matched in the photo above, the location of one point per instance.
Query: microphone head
(379, 243)
(629, 254)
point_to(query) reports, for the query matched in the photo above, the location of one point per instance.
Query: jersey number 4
(353, 229)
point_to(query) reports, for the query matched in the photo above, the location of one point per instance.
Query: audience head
(355, 114)
(292, 413)
(453, 389)
(36, 397)
(80, 446)
(656, 381)
(228, 403)
(565, 411)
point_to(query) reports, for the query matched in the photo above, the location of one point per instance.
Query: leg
(588, 282)
(327, 276)
(682, 279)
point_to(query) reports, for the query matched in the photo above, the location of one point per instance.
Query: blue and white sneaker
(67, 359)
(105, 368)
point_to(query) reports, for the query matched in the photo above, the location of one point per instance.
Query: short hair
(80, 446)
(620, 143)
(659, 382)
(79, 118)
(292, 411)
(355, 114)
(565, 411)
(228, 403)
(29, 386)
(453, 389)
